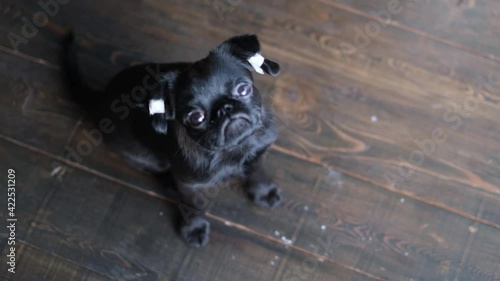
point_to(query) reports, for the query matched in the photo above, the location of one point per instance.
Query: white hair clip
(156, 106)
(256, 61)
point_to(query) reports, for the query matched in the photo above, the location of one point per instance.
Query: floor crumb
(55, 171)
(424, 226)
(472, 229)
(286, 240)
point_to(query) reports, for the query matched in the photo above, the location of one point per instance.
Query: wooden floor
(388, 154)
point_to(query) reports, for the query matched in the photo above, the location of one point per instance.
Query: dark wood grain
(470, 25)
(346, 83)
(349, 91)
(121, 233)
(349, 118)
(45, 266)
(376, 231)
(35, 178)
(35, 109)
(265, 227)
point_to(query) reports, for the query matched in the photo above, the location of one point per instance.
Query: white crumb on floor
(286, 240)
(228, 223)
(55, 171)
(334, 177)
(161, 214)
(277, 233)
(272, 263)
(276, 257)
(323, 227)
(306, 208)
(424, 226)
(334, 174)
(58, 172)
(402, 200)
(374, 118)
(472, 229)
(406, 254)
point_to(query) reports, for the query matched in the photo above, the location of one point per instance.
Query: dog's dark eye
(243, 89)
(196, 118)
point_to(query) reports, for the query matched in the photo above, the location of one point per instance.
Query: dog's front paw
(266, 194)
(196, 232)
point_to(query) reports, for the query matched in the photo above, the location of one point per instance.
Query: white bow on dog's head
(156, 106)
(247, 49)
(256, 61)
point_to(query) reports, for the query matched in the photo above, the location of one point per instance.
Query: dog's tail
(82, 93)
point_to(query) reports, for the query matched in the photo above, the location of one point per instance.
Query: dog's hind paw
(196, 232)
(266, 194)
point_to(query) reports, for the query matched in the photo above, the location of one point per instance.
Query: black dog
(203, 121)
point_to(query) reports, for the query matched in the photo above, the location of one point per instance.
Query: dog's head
(215, 101)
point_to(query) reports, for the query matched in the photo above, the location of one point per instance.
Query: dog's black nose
(225, 109)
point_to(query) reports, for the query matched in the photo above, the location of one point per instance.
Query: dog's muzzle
(236, 128)
(236, 125)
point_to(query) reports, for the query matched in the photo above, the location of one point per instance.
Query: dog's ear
(161, 104)
(246, 48)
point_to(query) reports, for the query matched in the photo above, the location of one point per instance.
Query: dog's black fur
(230, 140)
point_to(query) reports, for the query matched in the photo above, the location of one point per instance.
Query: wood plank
(148, 23)
(376, 86)
(375, 231)
(350, 223)
(86, 149)
(20, 37)
(461, 169)
(330, 103)
(471, 168)
(439, 86)
(378, 223)
(35, 179)
(37, 185)
(44, 266)
(356, 89)
(36, 110)
(46, 45)
(119, 232)
(319, 25)
(241, 257)
(471, 25)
